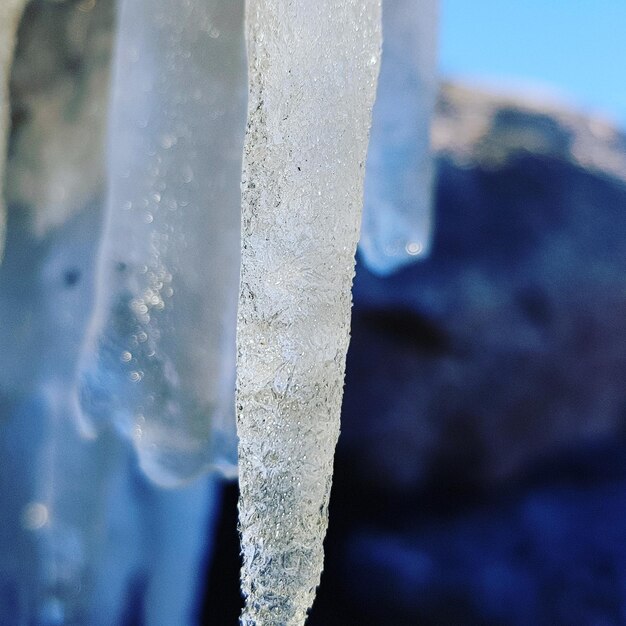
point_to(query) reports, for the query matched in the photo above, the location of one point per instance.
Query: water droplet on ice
(167, 141)
(35, 516)
(413, 248)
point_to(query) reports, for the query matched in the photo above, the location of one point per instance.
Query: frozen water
(79, 526)
(397, 219)
(82, 533)
(53, 481)
(313, 69)
(10, 13)
(159, 358)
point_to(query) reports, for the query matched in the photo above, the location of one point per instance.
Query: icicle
(313, 68)
(397, 218)
(10, 14)
(161, 349)
(52, 481)
(64, 517)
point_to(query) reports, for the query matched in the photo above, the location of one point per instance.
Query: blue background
(575, 48)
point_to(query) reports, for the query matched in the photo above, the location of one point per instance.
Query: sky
(574, 49)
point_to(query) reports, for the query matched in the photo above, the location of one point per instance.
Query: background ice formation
(397, 216)
(159, 356)
(84, 537)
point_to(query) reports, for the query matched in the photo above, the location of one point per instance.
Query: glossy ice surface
(397, 216)
(159, 357)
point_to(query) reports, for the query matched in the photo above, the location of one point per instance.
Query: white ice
(313, 69)
(397, 215)
(159, 358)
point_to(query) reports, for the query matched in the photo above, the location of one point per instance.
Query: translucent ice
(159, 359)
(49, 518)
(313, 69)
(398, 184)
(10, 13)
(80, 530)
(53, 482)
(83, 535)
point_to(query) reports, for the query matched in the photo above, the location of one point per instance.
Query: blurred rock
(507, 343)
(59, 100)
(474, 127)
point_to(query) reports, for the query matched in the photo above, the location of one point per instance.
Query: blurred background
(570, 50)
(481, 472)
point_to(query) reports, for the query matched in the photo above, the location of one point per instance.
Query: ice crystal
(312, 77)
(398, 184)
(160, 354)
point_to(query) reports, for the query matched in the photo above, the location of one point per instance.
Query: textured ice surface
(159, 359)
(313, 68)
(10, 13)
(397, 218)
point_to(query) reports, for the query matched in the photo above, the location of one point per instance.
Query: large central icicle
(312, 74)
